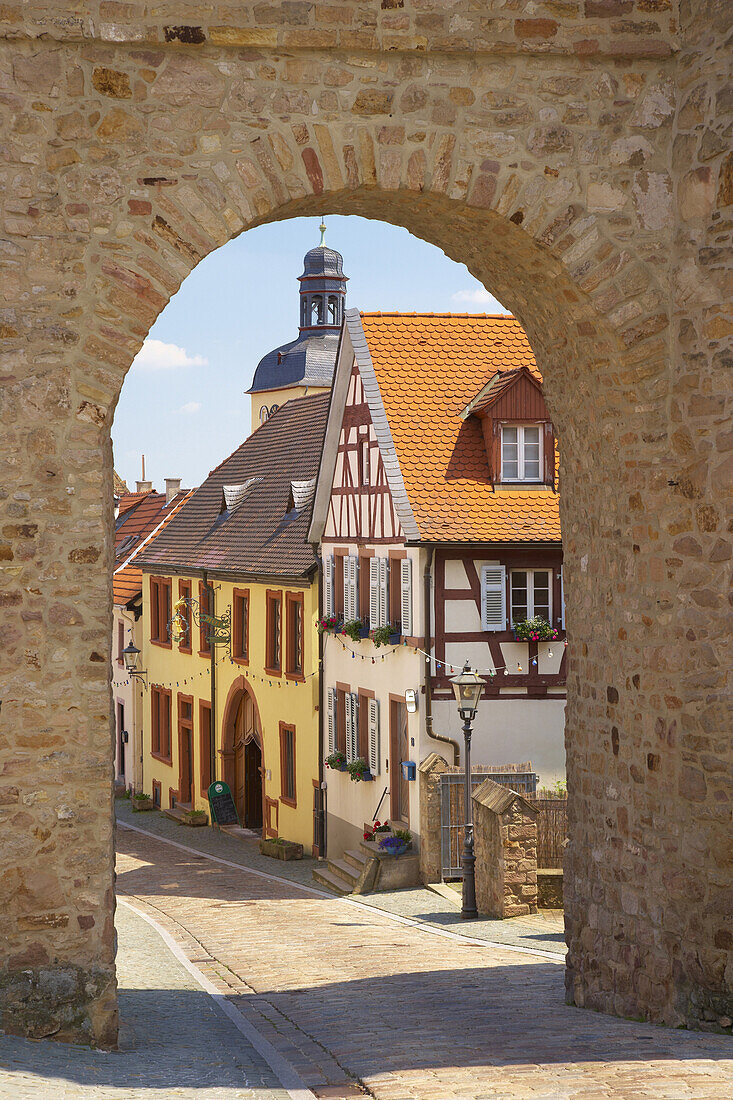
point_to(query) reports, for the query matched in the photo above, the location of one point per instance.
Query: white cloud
(479, 296)
(189, 407)
(157, 355)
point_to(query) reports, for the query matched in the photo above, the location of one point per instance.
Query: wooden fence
(552, 830)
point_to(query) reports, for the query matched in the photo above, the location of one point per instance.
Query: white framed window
(521, 452)
(531, 594)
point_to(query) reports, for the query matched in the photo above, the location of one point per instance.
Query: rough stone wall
(505, 842)
(428, 778)
(576, 158)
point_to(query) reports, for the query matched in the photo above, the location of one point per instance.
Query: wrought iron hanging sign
(218, 627)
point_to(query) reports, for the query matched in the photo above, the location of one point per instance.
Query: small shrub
(352, 629)
(357, 769)
(336, 760)
(381, 635)
(534, 630)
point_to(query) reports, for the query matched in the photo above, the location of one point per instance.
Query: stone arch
(538, 155)
(240, 690)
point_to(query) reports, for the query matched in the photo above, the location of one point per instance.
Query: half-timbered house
(437, 516)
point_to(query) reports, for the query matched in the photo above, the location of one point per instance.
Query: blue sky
(183, 404)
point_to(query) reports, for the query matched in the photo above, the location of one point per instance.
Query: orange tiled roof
(149, 517)
(429, 366)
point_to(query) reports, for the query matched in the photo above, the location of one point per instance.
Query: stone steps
(332, 882)
(345, 871)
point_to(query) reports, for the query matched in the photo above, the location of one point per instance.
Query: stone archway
(236, 760)
(537, 151)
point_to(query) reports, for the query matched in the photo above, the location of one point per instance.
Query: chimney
(172, 488)
(143, 486)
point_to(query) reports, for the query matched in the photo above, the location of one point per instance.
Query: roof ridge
(481, 316)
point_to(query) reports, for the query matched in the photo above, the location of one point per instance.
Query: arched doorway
(241, 752)
(247, 788)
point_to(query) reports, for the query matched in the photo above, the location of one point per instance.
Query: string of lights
(449, 668)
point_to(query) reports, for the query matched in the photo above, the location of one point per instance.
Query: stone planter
(195, 819)
(140, 805)
(281, 849)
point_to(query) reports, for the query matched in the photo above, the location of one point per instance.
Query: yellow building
(245, 707)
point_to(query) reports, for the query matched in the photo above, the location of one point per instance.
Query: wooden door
(399, 751)
(247, 765)
(121, 741)
(252, 786)
(185, 750)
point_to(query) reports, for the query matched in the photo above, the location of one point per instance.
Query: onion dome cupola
(322, 288)
(309, 361)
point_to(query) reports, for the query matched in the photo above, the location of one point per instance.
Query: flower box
(277, 848)
(140, 805)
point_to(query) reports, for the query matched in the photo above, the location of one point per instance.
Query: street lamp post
(130, 655)
(467, 687)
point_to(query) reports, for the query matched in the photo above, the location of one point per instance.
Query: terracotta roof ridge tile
(459, 316)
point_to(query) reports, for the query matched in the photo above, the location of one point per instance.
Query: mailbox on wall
(409, 769)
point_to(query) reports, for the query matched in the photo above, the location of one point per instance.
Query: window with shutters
(160, 723)
(287, 765)
(205, 596)
(341, 709)
(205, 745)
(378, 591)
(331, 736)
(328, 592)
(368, 738)
(350, 587)
(530, 594)
(184, 593)
(521, 452)
(338, 584)
(406, 596)
(394, 591)
(351, 706)
(160, 610)
(273, 657)
(364, 589)
(493, 597)
(240, 625)
(294, 635)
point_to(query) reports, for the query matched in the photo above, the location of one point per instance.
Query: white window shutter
(331, 721)
(383, 600)
(346, 566)
(493, 597)
(328, 586)
(374, 592)
(374, 736)
(352, 727)
(406, 595)
(562, 600)
(353, 574)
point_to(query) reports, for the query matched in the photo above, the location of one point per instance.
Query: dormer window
(521, 452)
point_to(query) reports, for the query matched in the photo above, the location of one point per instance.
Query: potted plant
(327, 625)
(359, 770)
(352, 629)
(396, 845)
(534, 630)
(337, 761)
(277, 848)
(370, 833)
(140, 802)
(384, 635)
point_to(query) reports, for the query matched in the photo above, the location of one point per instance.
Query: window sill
(293, 803)
(535, 486)
(273, 671)
(162, 759)
(205, 653)
(244, 661)
(162, 645)
(185, 649)
(298, 677)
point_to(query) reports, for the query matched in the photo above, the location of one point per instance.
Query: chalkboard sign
(223, 810)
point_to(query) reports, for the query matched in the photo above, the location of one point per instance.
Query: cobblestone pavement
(173, 1041)
(351, 996)
(544, 931)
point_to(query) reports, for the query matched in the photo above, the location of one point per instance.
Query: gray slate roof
(308, 360)
(259, 535)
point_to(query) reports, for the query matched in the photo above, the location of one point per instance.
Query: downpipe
(427, 646)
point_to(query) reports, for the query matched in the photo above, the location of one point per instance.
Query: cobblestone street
(356, 1000)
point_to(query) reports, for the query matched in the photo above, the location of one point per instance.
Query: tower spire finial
(322, 228)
